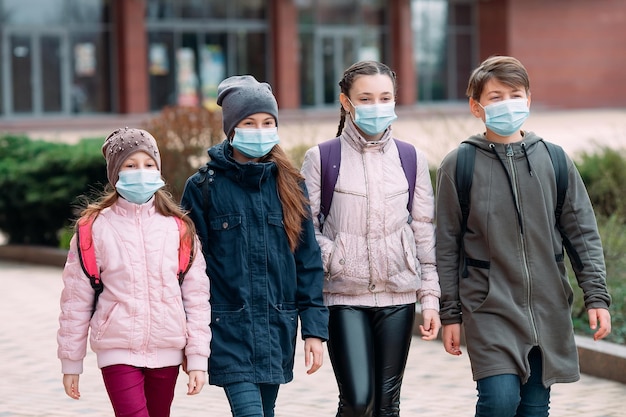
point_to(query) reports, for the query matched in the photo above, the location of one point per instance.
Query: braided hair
(355, 71)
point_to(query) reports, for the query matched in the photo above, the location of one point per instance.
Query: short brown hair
(506, 69)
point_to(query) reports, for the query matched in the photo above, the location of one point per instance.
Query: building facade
(75, 57)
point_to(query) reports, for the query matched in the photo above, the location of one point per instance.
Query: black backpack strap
(408, 160)
(559, 163)
(466, 155)
(330, 161)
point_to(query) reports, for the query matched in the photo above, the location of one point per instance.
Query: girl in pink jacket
(145, 323)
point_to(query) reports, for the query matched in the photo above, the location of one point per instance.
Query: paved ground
(436, 384)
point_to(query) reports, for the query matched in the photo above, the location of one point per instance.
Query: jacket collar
(358, 142)
(251, 174)
(126, 208)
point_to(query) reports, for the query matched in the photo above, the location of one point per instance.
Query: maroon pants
(140, 392)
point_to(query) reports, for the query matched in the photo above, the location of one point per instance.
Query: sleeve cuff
(70, 367)
(197, 363)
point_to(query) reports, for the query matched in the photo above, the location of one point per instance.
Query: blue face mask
(506, 117)
(373, 119)
(139, 185)
(255, 143)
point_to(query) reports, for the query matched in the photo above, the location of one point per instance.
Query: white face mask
(139, 185)
(506, 117)
(255, 143)
(374, 118)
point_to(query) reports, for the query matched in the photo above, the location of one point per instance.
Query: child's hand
(452, 339)
(431, 326)
(313, 354)
(197, 379)
(70, 382)
(602, 316)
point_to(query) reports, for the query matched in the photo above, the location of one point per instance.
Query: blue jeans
(505, 395)
(248, 399)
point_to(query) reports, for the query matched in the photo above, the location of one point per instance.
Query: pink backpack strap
(185, 251)
(87, 257)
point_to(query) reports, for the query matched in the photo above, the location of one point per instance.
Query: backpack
(87, 255)
(465, 171)
(330, 161)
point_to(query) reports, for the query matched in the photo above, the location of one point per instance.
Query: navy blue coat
(259, 287)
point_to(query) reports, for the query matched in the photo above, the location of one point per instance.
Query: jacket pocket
(337, 259)
(410, 251)
(474, 289)
(283, 332)
(231, 342)
(105, 322)
(225, 236)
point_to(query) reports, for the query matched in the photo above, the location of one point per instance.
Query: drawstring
(530, 168)
(492, 147)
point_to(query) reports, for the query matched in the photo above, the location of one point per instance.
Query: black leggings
(368, 348)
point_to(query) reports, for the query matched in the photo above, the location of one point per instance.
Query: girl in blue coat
(250, 208)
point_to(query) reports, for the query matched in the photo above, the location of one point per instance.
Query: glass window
(444, 43)
(51, 77)
(249, 9)
(337, 12)
(307, 70)
(373, 12)
(212, 63)
(192, 9)
(21, 68)
(159, 9)
(34, 11)
(90, 66)
(88, 11)
(218, 9)
(248, 60)
(161, 64)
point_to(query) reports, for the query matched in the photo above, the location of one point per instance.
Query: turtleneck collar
(358, 142)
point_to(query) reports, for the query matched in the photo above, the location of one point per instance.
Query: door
(334, 51)
(35, 73)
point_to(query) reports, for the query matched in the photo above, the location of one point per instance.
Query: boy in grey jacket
(504, 277)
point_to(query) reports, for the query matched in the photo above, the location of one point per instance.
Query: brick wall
(574, 50)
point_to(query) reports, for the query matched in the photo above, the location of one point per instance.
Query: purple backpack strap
(330, 160)
(408, 160)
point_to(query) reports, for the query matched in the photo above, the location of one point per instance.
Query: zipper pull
(509, 150)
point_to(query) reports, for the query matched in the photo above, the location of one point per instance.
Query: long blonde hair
(295, 204)
(163, 202)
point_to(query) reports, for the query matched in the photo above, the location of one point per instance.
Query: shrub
(184, 134)
(40, 181)
(604, 175)
(613, 233)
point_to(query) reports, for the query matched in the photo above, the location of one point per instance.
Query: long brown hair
(289, 183)
(163, 202)
(355, 71)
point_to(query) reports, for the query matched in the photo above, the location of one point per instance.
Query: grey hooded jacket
(516, 294)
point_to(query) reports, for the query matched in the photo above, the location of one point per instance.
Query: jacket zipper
(510, 154)
(144, 344)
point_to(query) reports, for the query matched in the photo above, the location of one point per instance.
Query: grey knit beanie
(122, 143)
(241, 96)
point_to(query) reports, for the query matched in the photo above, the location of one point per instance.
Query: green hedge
(40, 182)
